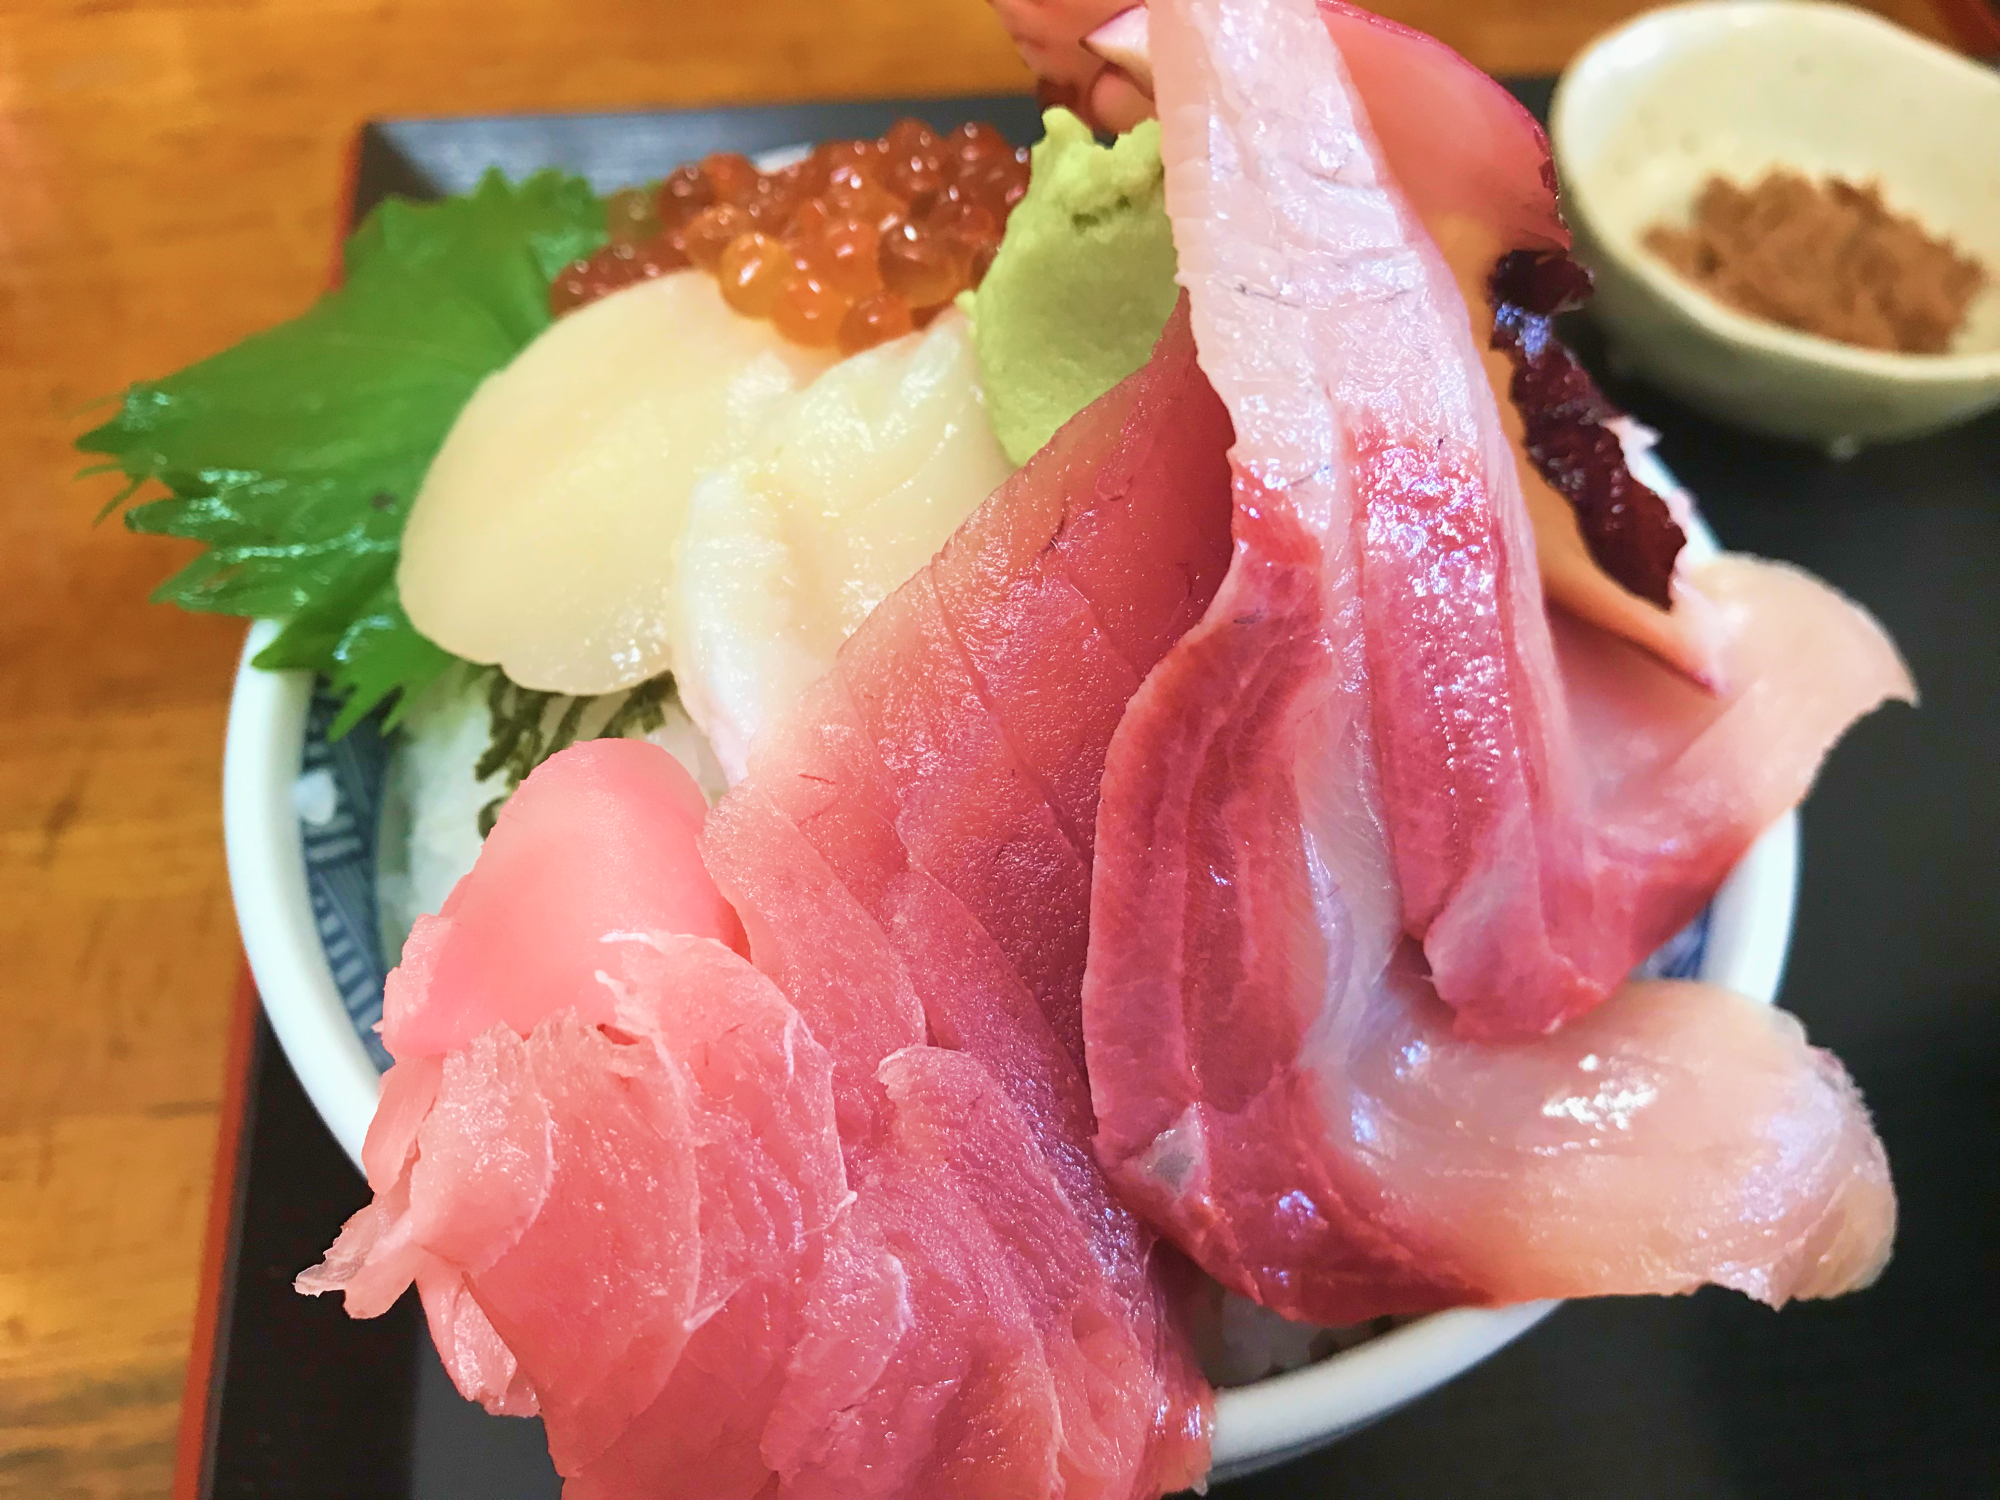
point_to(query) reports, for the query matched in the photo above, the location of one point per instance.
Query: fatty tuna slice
(1369, 735)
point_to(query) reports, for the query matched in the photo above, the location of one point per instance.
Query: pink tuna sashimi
(625, 1143)
(1335, 332)
(584, 867)
(911, 852)
(1368, 735)
(962, 1327)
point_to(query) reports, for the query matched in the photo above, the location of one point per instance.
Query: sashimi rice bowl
(1052, 819)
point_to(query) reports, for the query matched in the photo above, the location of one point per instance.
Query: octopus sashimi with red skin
(1375, 738)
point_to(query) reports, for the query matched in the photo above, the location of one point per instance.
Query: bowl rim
(1679, 28)
(1255, 1424)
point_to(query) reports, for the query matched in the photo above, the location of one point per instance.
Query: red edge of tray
(192, 1441)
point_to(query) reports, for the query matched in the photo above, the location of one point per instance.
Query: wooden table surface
(169, 172)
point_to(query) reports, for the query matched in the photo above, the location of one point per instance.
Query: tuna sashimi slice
(849, 1239)
(1372, 734)
(585, 869)
(923, 826)
(628, 1156)
(961, 1326)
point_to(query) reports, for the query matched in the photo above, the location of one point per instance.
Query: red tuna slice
(473, 1353)
(1031, 1396)
(1274, 1082)
(1334, 333)
(575, 857)
(771, 1180)
(962, 731)
(918, 828)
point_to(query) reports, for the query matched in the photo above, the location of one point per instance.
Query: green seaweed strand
(519, 742)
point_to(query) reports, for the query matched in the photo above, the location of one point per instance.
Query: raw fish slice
(1334, 332)
(966, 808)
(637, 1175)
(922, 1352)
(923, 942)
(568, 849)
(842, 490)
(1275, 1081)
(1418, 93)
(822, 946)
(408, 1091)
(1682, 779)
(1280, 1091)
(1679, 1135)
(701, 1438)
(1493, 191)
(596, 1296)
(769, 1166)
(917, 788)
(949, 1113)
(961, 1211)
(1066, 572)
(474, 1355)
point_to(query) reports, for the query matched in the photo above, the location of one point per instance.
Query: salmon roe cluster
(859, 243)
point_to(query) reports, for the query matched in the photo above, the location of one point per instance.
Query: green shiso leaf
(295, 455)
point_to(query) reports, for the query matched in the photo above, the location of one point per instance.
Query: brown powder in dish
(1826, 258)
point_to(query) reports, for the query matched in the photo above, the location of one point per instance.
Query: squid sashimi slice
(916, 833)
(842, 490)
(569, 849)
(1275, 1081)
(1333, 330)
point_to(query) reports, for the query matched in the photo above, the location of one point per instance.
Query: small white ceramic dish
(1645, 114)
(1747, 933)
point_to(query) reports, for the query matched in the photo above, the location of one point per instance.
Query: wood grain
(169, 176)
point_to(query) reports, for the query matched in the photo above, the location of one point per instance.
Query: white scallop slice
(847, 487)
(543, 538)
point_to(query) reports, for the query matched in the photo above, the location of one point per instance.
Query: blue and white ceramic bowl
(302, 817)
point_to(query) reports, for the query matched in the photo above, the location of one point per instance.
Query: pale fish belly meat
(1374, 737)
(829, 1227)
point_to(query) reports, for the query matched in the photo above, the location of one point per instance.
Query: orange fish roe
(857, 244)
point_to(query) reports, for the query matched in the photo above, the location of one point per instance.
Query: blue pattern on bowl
(340, 872)
(340, 860)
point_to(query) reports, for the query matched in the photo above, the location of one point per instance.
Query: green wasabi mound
(1082, 284)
